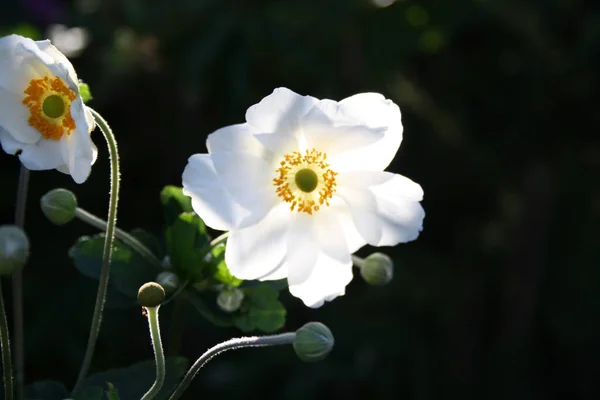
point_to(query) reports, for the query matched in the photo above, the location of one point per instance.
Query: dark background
(499, 298)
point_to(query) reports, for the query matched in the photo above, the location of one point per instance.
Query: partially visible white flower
(300, 186)
(42, 116)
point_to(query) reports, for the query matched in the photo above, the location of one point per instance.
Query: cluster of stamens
(46, 94)
(305, 181)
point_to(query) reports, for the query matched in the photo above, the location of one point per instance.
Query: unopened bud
(151, 294)
(314, 342)
(230, 300)
(59, 206)
(168, 280)
(377, 269)
(14, 249)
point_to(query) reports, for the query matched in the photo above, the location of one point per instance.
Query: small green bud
(314, 342)
(14, 249)
(59, 206)
(377, 269)
(168, 280)
(230, 300)
(151, 294)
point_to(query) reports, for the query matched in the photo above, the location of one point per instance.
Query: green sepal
(85, 92)
(261, 310)
(187, 246)
(174, 203)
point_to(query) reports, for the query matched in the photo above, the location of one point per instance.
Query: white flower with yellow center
(300, 186)
(42, 116)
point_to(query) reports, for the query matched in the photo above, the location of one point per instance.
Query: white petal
(78, 151)
(323, 133)
(318, 261)
(248, 179)
(236, 138)
(45, 154)
(353, 238)
(9, 144)
(60, 60)
(373, 111)
(210, 200)
(14, 117)
(18, 65)
(256, 251)
(327, 281)
(385, 207)
(279, 112)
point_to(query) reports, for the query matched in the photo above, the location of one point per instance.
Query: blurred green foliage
(500, 296)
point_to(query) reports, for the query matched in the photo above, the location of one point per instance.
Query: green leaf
(174, 203)
(46, 390)
(220, 271)
(261, 310)
(112, 393)
(85, 92)
(128, 269)
(133, 381)
(187, 244)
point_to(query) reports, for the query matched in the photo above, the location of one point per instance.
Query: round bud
(14, 249)
(230, 300)
(314, 342)
(151, 294)
(377, 269)
(168, 280)
(59, 206)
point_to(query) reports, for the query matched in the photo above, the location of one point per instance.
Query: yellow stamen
(48, 116)
(303, 194)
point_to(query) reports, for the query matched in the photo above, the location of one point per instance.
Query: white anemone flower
(42, 116)
(300, 186)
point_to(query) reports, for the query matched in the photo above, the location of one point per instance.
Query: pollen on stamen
(39, 90)
(288, 190)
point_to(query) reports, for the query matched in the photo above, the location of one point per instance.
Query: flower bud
(151, 294)
(229, 300)
(377, 269)
(59, 206)
(168, 280)
(314, 342)
(14, 249)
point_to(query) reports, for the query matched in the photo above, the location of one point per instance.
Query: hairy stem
(231, 344)
(107, 252)
(159, 355)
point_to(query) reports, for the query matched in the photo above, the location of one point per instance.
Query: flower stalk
(6, 360)
(17, 287)
(159, 355)
(231, 344)
(108, 241)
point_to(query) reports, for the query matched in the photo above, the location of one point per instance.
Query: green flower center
(306, 180)
(53, 106)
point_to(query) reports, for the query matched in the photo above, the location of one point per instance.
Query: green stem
(219, 239)
(6, 361)
(17, 287)
(107, 252)
(231, 344)
(158, 353)
(125, 237)
(359, 262)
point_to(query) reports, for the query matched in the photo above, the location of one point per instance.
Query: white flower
(42, 116)
(300, 186)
